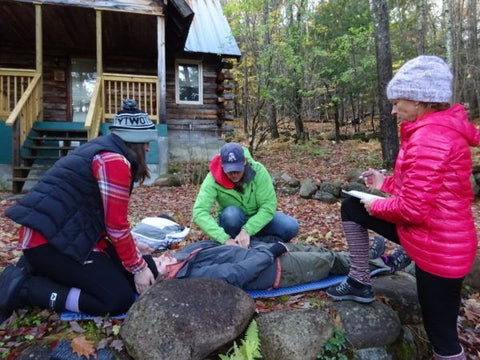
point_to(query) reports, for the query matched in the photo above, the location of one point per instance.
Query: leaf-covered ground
(320, 160)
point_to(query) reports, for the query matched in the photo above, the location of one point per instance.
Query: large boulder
(186, 319)
(368, 326)
(400, 291)
(293, 334)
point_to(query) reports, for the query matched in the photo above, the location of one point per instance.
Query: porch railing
(108, 95)
(13, 83)
(24, 114)
(141, 88)
(95, 113)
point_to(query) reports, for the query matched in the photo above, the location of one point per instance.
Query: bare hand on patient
(143, 280)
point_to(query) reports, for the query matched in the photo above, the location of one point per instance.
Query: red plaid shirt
(112, 172)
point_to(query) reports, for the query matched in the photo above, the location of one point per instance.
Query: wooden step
(60, 138)
(24, 179)
(40, 147)
(34, 157)
(32, 168)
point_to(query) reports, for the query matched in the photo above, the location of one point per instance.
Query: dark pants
(353, 210)
(105, 286)
(439, 297)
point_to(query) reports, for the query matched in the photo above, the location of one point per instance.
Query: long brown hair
(139, 153)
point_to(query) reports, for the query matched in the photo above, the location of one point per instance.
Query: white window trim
(200, 81)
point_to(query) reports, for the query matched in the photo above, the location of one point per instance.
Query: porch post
(161, 70)
(39, 55)
(99, 42)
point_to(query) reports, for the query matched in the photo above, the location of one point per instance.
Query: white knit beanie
(425, 78)
(133, 125)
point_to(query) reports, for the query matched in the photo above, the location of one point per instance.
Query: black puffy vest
(65, 206)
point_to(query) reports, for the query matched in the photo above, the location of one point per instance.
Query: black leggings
(106, 287)
(353, 210)
(439, 297)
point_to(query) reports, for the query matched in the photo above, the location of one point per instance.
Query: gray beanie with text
(425, 78)
(133, 125)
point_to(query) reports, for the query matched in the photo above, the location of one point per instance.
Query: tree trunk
(388, 124)
(245, 95)
(421, 25)
(472, 63)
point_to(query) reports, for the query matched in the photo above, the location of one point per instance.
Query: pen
(367, 174)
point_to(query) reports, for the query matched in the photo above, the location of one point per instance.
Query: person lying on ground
(246, 201)
(263, 265)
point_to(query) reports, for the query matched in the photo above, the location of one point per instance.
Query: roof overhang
(146, 7)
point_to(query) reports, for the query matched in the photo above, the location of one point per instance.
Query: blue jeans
(283, 226)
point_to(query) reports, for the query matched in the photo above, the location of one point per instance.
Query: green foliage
(335, 347)
(249, 348)
(27, 319)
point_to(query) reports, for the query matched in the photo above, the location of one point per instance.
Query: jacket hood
(219, 175)
(454, 118)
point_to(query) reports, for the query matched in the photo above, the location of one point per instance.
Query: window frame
(188, 62)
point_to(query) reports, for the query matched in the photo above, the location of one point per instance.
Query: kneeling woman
(75, 233)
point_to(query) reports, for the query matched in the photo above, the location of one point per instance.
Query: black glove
(278, 249)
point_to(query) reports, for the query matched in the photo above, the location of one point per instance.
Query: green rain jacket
(258, 200)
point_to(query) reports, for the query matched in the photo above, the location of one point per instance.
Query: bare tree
(422, 12)
(388, 124)
(472, 73)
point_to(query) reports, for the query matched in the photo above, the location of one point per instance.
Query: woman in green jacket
(246, 201)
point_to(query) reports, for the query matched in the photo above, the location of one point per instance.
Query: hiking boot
(11, 280)
(398, 260)
(378, 247)
(346, 291)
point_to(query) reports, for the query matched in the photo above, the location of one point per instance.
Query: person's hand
(373, 178)
(144, 248)
(232, 242)
(143, 280)
(368, 204)
(243, 239)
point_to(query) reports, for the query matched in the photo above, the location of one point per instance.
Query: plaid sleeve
(112, 172)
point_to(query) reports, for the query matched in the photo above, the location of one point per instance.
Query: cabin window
(188, 82)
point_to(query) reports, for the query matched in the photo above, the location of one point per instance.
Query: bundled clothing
(432, 202)
(262, 266)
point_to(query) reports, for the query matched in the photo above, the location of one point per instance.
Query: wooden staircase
(47, 142)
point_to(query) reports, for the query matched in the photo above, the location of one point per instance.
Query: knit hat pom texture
(133, 125)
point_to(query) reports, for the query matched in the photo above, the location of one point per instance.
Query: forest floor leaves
(320, 160)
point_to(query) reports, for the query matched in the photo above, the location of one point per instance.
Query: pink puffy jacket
(432, 192)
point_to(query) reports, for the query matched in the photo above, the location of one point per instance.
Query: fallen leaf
(83, 347)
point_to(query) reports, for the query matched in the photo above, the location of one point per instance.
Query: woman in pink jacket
(429, 212)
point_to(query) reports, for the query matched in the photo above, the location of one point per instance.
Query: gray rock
(333, 188)
(168, 180)
(355, 186)
(186, 319)
(475, 187)
(401, 291)
(324, 197)
(473, 277)
(353, 175)
(307, 188)
(366, 326)
(378, 353)
(293, 334)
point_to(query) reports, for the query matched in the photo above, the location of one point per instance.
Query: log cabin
(66, 65)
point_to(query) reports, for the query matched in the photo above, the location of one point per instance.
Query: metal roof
(210, 31)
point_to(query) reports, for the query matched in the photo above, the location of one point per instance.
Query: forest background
(330, 61)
